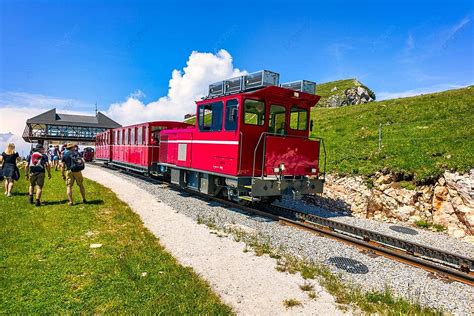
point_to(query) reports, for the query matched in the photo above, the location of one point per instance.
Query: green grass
(421, 136)
(47, 265)
(429, 225)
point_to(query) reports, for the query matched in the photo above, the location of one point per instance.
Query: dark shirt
(10, 159)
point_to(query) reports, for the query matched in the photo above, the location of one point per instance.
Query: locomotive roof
(273, 92)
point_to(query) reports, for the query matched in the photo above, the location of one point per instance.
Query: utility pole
(96, 111)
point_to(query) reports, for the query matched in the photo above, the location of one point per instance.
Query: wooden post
(380, 137)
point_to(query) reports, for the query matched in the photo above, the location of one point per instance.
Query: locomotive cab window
(210, 116)
(254, 112)
(277, 119)
(298, 118)
(231, 115)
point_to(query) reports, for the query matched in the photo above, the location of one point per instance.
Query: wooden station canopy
(53, 127)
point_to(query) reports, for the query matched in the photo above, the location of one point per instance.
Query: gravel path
(368, 272)
(249, 284)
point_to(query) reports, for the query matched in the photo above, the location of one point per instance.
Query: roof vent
(301, 85)
(256, 80)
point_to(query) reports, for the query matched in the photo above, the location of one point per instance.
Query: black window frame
(235, 122)
(263, 119)
(270, 117)
(216, 121)
(300, 110)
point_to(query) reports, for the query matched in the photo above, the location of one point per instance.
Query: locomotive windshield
(254, 112)
(277, 119)
(298, 118)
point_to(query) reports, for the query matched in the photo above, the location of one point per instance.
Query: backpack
(36, 162)
(77, 164)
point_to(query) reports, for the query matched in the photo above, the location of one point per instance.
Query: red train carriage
(134, 147)
(249, 144)
(103, 149)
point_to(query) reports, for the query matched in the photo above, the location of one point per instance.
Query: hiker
(56, 157)
(35, 172)
(10, 171)
(72, 165)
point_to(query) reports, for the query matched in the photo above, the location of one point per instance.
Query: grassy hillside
(421, 136)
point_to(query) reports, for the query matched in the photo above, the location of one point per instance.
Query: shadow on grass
(95, 202)
(55, 202)
(20, 193)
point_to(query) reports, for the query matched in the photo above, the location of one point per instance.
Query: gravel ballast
(367, 271)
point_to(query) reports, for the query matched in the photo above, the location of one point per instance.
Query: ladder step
(248, 186)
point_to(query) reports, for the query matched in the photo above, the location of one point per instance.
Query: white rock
(94, 246)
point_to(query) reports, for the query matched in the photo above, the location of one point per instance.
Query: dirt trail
(247, 283)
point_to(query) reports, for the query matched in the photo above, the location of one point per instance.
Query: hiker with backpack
(72, 165)
(35, 172)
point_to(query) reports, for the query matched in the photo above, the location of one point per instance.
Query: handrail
(240, 151)
(325, 155)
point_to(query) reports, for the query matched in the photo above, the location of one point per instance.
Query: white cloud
(17, 107)
(185, 87)
(409, 93)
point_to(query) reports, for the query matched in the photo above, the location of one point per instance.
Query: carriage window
(298, 118)
(210, 116)
(254, 112)
(231, 115)
(120, 137)
(132, 136)
(155, 134)
(139, 136)
(277, 119)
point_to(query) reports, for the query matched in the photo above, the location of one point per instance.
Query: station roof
(51, 117)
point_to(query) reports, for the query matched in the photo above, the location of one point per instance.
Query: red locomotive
(250, 142)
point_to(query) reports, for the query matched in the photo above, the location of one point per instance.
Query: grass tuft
(291, 302)
(429, 225)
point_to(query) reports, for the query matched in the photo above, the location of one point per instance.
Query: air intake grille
(301, 85)
(261, 79)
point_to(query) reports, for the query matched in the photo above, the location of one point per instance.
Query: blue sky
(71, 54)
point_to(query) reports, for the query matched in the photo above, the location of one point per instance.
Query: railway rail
(444, 264)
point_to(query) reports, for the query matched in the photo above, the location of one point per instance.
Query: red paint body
(135, 145)
(232, 152)
(230, 147)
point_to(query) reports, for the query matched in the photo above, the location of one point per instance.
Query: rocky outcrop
(448, 203)
(358, 94)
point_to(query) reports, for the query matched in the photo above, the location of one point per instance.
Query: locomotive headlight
(313, 170)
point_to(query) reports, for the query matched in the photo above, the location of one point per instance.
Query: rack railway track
(443, 264)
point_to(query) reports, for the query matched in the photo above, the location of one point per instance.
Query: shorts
(73, 176)
(37, 179)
